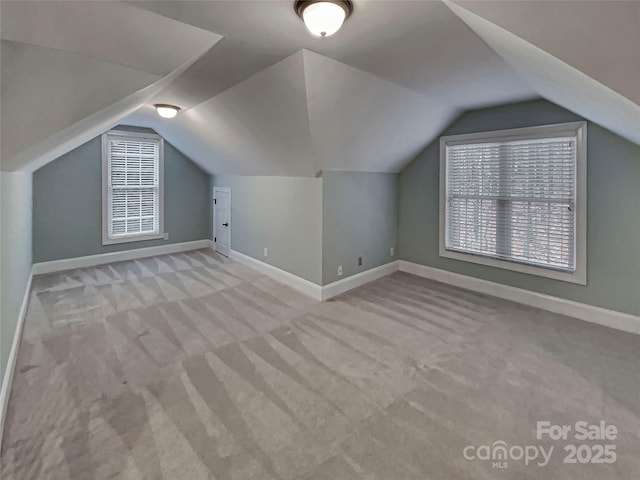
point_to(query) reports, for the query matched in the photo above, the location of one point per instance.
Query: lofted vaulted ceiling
(261, 96)
(68, 73)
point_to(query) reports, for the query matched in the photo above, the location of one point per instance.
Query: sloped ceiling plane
(260, 96)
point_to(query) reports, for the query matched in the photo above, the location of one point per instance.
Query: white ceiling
(599, 38)
(282, 121)
(376, 93)
(65, 70)
(257, 127)
(261, 96)
(361, 122)
(562, 83)
(109, 31)
(39, 78)
(421, 45)
(72, 134)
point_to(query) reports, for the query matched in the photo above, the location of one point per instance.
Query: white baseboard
(7, 379)
(582, 311)
(101, 259)
(354, 281)
(314, 290)
(289, 279)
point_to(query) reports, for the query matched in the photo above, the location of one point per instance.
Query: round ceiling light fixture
(323, 17)
(166, 111)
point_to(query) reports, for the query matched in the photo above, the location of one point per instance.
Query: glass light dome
(167, 111)
(324, 18)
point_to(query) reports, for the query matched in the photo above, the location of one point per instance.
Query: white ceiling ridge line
(212, 134)
(189, 134)
(80, 54)
(379, 105)
(93, 125)
(317, 164)
(624, 121)
(231, 87)
(391, 83)
(303, 50)
(463, 12)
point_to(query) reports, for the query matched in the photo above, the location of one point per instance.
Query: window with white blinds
(132, 196)
(514, 196)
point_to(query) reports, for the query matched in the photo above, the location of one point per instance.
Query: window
(132, 196)
(516, 199)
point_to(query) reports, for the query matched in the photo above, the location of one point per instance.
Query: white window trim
(579, 129)
(105, 189)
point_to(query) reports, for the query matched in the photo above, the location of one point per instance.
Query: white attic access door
(222, 220)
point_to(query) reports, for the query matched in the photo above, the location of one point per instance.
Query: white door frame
(227, 190)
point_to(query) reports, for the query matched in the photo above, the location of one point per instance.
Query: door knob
(225, 224)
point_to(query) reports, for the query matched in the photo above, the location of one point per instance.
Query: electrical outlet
(393, 251)
(266, 252)
(166, 236)
(359, 261)
(339, 270)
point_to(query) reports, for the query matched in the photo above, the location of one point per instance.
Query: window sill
(135, 238)
(579, 276)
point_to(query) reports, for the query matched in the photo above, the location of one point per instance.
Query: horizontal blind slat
(513, 200)
(133, 181)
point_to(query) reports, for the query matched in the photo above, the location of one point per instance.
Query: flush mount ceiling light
(166, 111)
(323, 17)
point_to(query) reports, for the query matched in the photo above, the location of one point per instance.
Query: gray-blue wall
(67, 204)
(282, 214)
(613, 211)
(359, 219)
(312, 225)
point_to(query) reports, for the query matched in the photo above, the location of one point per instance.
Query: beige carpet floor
(192, 367)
